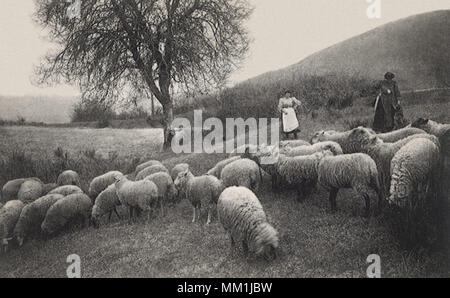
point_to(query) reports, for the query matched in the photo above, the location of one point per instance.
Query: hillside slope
(416, 49)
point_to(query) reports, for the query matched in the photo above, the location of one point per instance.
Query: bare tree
(116, 45)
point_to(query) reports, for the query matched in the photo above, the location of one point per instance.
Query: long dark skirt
(380, 122)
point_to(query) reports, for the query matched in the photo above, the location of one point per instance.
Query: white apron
(290, 122)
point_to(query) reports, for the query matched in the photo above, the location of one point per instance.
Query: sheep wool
(106, 202)
(178, 169)
(66, 190)
(357, 171)
(33, 215)
(217, 170)
(339, 137)
(242, 216)
(166, 188)
(147, 164)
(397, 135)
(100, 183)
(334, 147)
(30, 191)
(9, 215)
(442, 131)
(68, 177)
(293, 143)
(241, 150)
(65, 210)
(200, 191)
(151, 170)
(46, 188)
(242, 172)
(12, 187)
(411, 167)
(137, 195)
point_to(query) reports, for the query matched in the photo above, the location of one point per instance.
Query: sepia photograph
(223, 145)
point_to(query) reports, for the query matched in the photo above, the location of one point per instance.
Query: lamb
(151, 170)
(68, 177)
(217, 170)
(9, 215)
(76, 206)
(202, 190)
(137, 195)
(66, 190)
(32, 216)
(293, 143)
(100, 183)
(106, 202)
(397, 135)
(166, 188)
(311, 149)
(243, 217)
(412, 166)
(30, 191)
(382, 153)
(12, 187)
(242, 172)
(357, 171)
(147, 164)
(442, 131)
(178, 169)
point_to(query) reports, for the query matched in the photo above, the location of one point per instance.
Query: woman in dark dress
(386, 104)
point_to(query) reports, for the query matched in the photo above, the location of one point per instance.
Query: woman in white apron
(287, 106)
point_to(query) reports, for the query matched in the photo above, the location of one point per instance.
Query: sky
(283, 33)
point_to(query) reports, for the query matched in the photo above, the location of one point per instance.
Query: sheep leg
(193, 218)
(131, 214)
(332, 199)
(208, 221)
(245, 248)
(117, 214)
(109, 216)
(162, 207)
(367, 200)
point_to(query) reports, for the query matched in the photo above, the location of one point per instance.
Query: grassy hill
(414, 48)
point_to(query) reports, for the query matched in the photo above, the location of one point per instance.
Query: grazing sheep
(382, 153)
(357, 171)
(166, 188)
(137, 195)
(68, 177)
(293, 143)
(178, 169)
(334, 147)
(217, 170)
(397, 135)
(32, 216)
(339, 137)
(147, 164)
(66, 190)
(151, 170)
(46, 188)
(202, 190)
(106, 202)
(9, 215)
(442, 131)
(12, 187)
(76, 206)
(100, 183)
(30, 191)
(243, 217)
(412, 166)
(242, 172)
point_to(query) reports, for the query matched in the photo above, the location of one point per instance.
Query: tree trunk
(168, 118)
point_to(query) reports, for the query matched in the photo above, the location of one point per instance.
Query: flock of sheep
(393, 165)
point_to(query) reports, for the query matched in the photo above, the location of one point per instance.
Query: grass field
(314, 243)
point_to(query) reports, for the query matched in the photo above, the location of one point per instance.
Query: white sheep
(100, 183)
(357, 171)
(68, 177)
(238, 151)
(12, 187)
(32, 216)
(178, 169)
(442, 131)
(166, 189)
(46, 188)
(339, 137)
(200, 191)
(151, 170)
(137, 195)
(30, 191)
(243, 217)
(217, 169)
(311, 149)
(397, 135)
(9, 215)
(242, 172)
(76, 206)
(293, 143)
(105, 203)
(412, 166)
(66, 190)
(147, 164)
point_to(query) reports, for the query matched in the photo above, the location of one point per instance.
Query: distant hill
(416, 49)
(37, 109)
